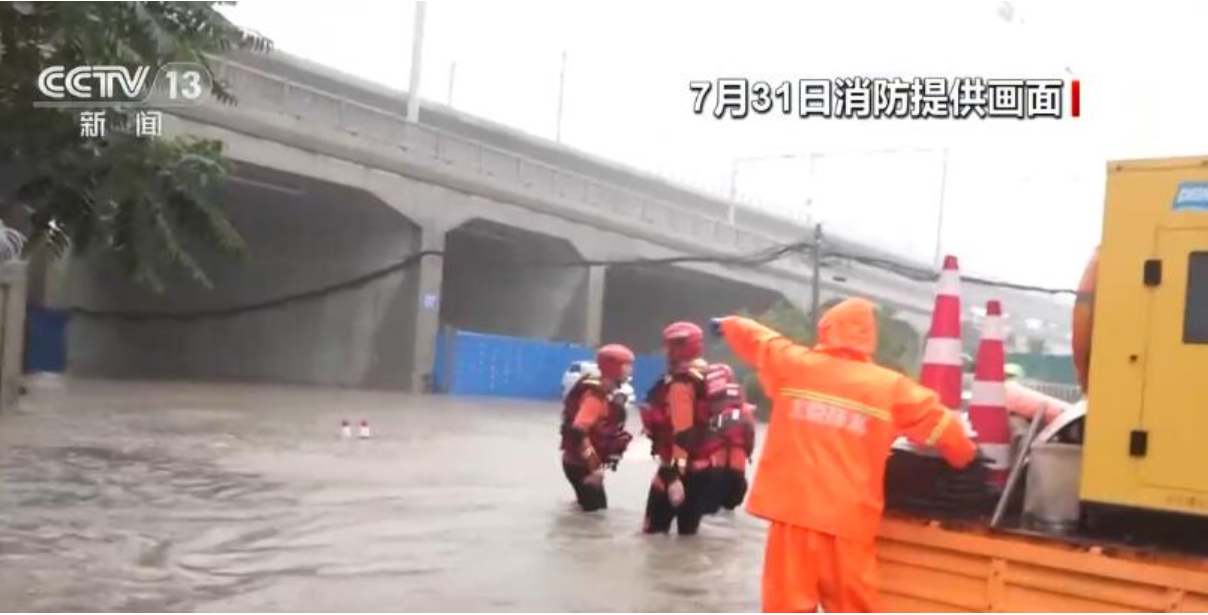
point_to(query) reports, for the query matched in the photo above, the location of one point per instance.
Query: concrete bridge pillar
(425, 291)
(589, 301)
(593, 296)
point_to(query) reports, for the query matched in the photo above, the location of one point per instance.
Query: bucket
(1051, 500)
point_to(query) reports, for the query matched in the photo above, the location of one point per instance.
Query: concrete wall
(640, 301)
(298, 241)
(13, 277)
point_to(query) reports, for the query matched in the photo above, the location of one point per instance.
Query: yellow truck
(1141, 459)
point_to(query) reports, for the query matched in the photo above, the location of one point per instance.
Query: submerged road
(216, 497)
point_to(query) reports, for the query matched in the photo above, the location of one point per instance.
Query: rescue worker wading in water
(593, 426)
(675, 419)
(820, 480)
(733, 442)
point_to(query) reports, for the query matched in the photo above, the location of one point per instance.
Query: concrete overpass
(331, 182)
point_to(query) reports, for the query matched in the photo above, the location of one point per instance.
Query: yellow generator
(1146, 439)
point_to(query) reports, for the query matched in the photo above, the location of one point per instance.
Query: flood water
(136, 496)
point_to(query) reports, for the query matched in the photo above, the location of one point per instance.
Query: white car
(576, 370)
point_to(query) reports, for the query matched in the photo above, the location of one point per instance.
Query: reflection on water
(191, 497)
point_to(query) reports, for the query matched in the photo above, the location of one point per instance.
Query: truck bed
(929, 567)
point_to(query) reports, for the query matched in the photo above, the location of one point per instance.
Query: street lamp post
(417, 57)
(939, 222)
(561, 97)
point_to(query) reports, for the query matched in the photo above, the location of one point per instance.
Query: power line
(749, 260)
(920, 274)
(220, 313)
(753, 259)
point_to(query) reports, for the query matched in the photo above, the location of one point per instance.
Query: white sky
(1023, 199)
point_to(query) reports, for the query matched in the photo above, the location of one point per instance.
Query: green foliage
(1037, 346)
(144, 202)
(1057, 369)
(898, 344)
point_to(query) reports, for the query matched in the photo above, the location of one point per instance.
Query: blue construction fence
(469, 363)
(45, 339)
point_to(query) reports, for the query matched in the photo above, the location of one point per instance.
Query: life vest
(608, 437)
(656, 425)
(731, 417)
(719, 403)
(740, 433)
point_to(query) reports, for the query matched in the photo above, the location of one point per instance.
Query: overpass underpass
(301, 234)
(305, 234)
(639, 301)
(501, 279)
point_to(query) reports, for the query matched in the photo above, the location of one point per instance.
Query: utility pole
(417, 56)
(816, 298)
(452, 80)
(561, 95)
(939, 225)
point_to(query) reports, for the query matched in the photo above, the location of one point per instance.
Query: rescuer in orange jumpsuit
(676, 420)
(593, 426)
(820, 478)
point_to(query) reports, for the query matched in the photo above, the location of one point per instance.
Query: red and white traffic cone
(988, 401)
(363, 433)
(345, 429)
(942, 353)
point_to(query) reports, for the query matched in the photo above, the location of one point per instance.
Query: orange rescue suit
(820, 476)
(592, 414)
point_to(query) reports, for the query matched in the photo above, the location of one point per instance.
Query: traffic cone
(345, 429)
(988, 401)
(364, 431)
(942, 353)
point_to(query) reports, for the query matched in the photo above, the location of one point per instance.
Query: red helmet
(684, 341)
(612, 359)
